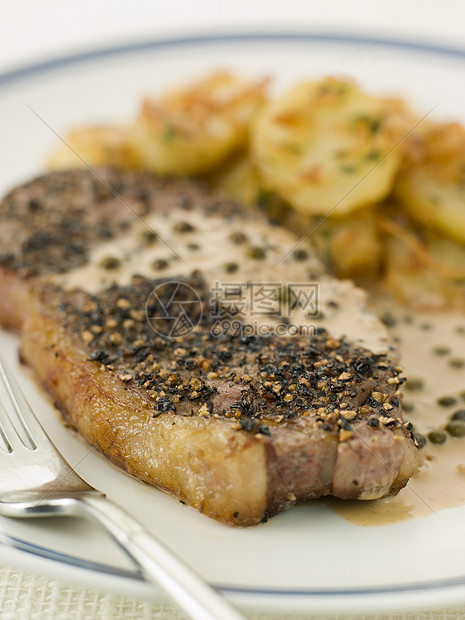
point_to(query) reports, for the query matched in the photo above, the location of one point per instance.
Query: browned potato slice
(351, 247)
(192, 129)
(433, 188)
(238, 178)
(423, 269)
(95, 146)
(327, 146)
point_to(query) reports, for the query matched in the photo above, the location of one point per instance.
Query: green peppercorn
(407, 406)
(456, 428)
(110, 262)
(420, 440)
(437, 436)
(457, 362)
(441, 350)
(193, 246)
(458, 415)
(148, 236)
(426, 327)
(256, 252)
(231, 267)
(238, 237)
(183, 227)
(388, 319)
(414, 384)
(446, 401)
(159, 264)
(300, 254)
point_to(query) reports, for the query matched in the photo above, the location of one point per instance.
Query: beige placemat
(27, 596)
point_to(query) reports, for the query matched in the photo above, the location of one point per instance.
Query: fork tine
(15, 412)
(5, 444)
(21, 431)
(9, 431)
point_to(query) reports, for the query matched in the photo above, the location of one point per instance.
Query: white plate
(307, 559)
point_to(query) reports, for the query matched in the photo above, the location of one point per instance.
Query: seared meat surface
(239, 426)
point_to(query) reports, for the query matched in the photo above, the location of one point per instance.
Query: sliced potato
(351, 246)
(95, 146)
(432, 188)
(423, 269)
(238, 178)
(194, 128)
(329, 147)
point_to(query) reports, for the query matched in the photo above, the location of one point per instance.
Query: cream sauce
(349, 317)
(440, 479)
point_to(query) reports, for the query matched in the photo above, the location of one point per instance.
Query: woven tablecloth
(28, 596)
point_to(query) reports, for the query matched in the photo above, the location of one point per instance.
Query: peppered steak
(239, 424)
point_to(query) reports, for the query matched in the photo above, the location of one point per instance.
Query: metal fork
(36, 481)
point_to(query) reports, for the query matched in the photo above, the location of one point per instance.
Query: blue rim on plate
(18, 74)
(21, 74)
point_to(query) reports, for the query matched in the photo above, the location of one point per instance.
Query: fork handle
(159, 564)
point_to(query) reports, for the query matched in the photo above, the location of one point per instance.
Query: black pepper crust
(257, 382)
(51, 224)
